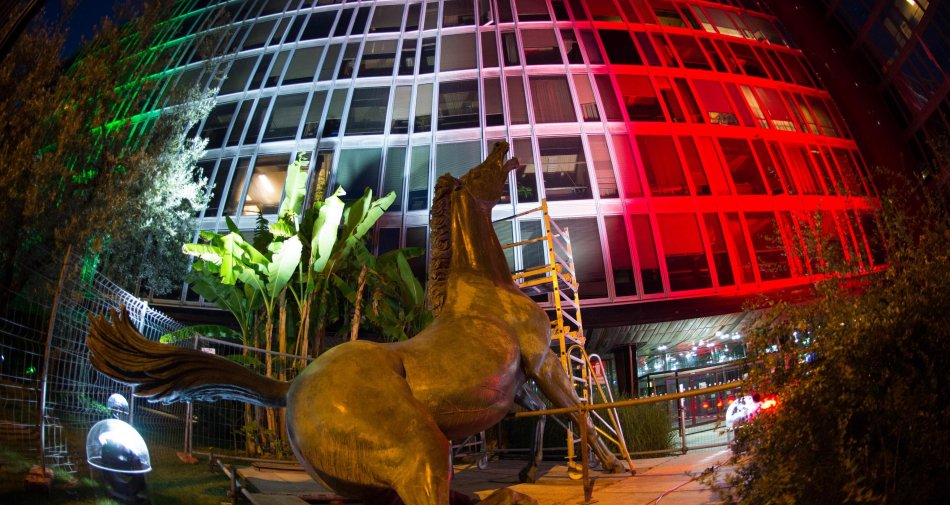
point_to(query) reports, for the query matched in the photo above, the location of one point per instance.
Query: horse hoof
(528, 475)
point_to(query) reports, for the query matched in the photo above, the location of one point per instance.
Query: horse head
(486, 182)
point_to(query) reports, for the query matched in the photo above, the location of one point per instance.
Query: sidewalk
(668, 481)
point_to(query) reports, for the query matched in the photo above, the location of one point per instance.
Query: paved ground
(666, 481)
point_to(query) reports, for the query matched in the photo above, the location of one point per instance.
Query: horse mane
(440, 238)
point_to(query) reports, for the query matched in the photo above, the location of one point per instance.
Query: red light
(768, 403)
(705, 405)
(719, 404)
(731, 399)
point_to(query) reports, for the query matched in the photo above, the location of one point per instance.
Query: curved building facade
(686, 144)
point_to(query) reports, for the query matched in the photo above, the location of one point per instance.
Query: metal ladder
(556, 278)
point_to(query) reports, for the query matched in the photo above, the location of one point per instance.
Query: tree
(82, 162)
(861, 375)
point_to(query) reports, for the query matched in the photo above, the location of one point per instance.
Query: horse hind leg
(556, 385)
(530, 400)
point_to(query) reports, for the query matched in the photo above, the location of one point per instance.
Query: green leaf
(282, 229)
(248, 361)
(231, 226)
(325, 230)
(206, 252)
(205, 330)
(295, 187)
(410, 284)
(281, 269)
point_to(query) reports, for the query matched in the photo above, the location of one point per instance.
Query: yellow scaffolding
(556, 277)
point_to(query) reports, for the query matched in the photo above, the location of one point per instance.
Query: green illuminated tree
(83, 164)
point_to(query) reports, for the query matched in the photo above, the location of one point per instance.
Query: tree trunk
(357, 312)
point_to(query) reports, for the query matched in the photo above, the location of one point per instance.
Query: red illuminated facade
(686, 144)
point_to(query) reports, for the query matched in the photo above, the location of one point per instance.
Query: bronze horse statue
(367, 417)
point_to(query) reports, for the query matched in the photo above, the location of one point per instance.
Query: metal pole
(141, 328)
(189, 414)
(585, 463)
(46, 352)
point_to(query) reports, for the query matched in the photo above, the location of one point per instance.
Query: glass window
(646, 254)
(458, 52)
(331, 127)
(509, 49)
(386, 18)
(378, 58)
(266, 185)
(552, 101)
(261, 71)
(591, 49)
(256, 125)
(747, 60)
(664, 50)
(849, 171)
(626, 167)
(564, 168)
(768, 167)
(689, 52)
(367, 111)
(588, 256)
(407, 58)
(493, 106)
(314, 113)
(572, 47)
(600, 158)
(285, 117)
(741, 163)
(794, 65)
(585, 95)
(329, 63)
(432, 15)
(457, 158)
(669, 98)
(578, 9)
(768, 245)
(639, 98)
(604, 11)
(683, 249)
(418, 194)
(323, 164)
(258, 36)
(504, 11)
(517, 106)
(417, 236)
(395, 174)
(532, 10)
(423, 116)
(740, 105)
(236, 189)
(662, 166)
(607, 97)
(489, 50)
(218, 187)
(737, 237)
(694, 166)
(526, 174)
(359, 22)
(718, 108)
(318, 26)
(388, 240)
(401, 110)
(240, 121)
(667, 14)
(804, 171)
(273, 77)
(782, 168)
(649, 51)
(775, 108)
(619, 47)
(216, 126)
(427, 57)
(719, 250)
(457, 13)
(458, 105)
(238, 75)
(412, 18)
(358, 169)
(540, 47)
(349, 61)
(533, 254)
(823, 117)
(620, 263)
(484, 12)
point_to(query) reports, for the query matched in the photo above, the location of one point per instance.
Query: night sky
(85, 18)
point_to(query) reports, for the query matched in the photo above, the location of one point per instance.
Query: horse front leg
(528, 399)
(556, 385)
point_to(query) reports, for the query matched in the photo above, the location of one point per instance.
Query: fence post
(189, 414)
(46, 352)
(681, 413)
(141, 328)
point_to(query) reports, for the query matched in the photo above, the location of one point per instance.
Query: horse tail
(166, 373)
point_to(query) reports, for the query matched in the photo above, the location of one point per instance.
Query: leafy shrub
(646, 427)
(861, 374)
